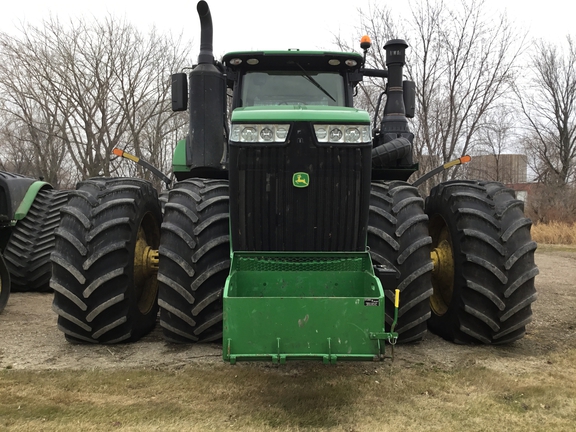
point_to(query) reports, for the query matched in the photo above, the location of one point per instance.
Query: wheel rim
(443, 273)
(146, 263)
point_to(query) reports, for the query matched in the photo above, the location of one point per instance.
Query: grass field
(296, 397)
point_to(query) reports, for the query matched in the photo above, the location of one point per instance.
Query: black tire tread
(93, 266)
(31, 242)
(494, 262)
(398, 237)
(194, 261)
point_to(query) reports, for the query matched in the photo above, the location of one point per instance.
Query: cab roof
(293, 60)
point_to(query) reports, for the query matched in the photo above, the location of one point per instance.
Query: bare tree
(31, 145)
(496, 138)
(378, 23)
(87, 87)
(463, 60)
(549, 106)
(548, 103)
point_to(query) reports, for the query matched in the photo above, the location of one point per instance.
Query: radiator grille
(269, 214)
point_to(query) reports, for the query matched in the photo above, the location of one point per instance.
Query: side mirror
(179, 92)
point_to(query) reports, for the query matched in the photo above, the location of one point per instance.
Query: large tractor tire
(163, 199)
(398, 239)
(194, 261)
(4, 284)
(105, 261)
(31, 242)
(483, 263)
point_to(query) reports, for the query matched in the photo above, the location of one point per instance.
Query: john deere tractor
(292, 226)
(29, 214)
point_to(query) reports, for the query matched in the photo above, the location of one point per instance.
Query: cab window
(292, 88)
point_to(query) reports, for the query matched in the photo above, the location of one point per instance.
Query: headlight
(343, 133)
(265, 133)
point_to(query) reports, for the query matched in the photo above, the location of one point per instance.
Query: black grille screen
(268, 213)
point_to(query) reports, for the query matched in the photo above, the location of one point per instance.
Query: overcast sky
(260, 24)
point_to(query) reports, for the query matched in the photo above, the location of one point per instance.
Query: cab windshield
(292, 88)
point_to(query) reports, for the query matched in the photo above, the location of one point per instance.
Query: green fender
(29, 198)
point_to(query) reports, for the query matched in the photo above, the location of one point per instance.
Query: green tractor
(29, 215)
(292, 226)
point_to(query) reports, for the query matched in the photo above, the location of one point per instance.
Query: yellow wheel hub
(145, 260)
(146, 264)
(443, 273)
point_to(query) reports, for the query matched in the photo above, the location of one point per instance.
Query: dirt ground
(29, 338)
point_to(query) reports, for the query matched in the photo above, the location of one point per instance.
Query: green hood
(305, 113)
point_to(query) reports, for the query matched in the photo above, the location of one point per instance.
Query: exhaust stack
(206, 143)
(206, 55)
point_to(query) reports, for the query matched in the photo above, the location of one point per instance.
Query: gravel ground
(29, 338)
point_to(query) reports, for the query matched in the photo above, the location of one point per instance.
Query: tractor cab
(299, 153)
(293, 78)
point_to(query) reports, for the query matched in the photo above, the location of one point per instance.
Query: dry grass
(294, 397)
(554, 233)
(507, 389)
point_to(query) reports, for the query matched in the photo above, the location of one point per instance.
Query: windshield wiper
(313, 81)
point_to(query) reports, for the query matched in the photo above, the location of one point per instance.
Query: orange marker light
(118, 152)
(465, 159)
(365, 42)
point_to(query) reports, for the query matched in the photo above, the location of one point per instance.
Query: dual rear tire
(107, 279)
(484, 263)
(465, 260)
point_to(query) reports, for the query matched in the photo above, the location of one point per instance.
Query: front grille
(269, 214)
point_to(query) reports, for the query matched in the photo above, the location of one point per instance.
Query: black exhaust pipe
(206, 148)
(206, 55)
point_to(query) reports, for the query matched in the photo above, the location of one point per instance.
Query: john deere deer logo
(300, 179)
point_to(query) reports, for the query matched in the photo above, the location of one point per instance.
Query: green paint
(290, 306)
(29, 198)
(179, 157)
(304, 113)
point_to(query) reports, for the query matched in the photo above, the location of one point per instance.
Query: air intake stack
(395, 140)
